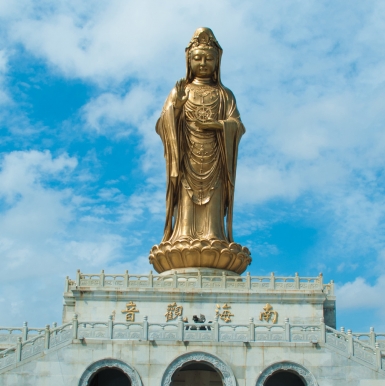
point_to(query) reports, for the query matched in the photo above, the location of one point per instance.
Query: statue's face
(203, 62)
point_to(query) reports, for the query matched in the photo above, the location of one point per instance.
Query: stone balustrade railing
(9, 335)
(347, 344)
(190, 281)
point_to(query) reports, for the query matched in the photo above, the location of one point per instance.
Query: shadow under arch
(111, 363)
(218, 364)
(303, 373)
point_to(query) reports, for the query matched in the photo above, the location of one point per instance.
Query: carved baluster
(145, 327)
(216, 329)
(180, 329)
(199, 280)
(101, 281)
(248, 280)
(78, 277)
(46, 337)
(18, 349)
(126, 279)
(25, 331)
(251, 330)
(175, 280)
(110, 327)
(322, 330)
(378, 356)
(66, 284)
(151, 280)
(296, 281)
(331, 287)
(350, 343)
(223, 280)
(272, 281)
(75, 324)
(372, 336)
(287, 330)
(321, 281)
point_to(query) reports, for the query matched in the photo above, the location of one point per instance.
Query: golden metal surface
(173, 311)
(268, 314)
(130, 311)
(200, 128)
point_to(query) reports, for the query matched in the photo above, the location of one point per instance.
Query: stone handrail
(190, 281)
(342, 342)
(10, 335)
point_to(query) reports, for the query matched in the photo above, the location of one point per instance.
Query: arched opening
(284, 378)
(196, 373)
(109, 377)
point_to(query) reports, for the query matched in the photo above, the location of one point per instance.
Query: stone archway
(110, 363)
(218, 364)
(303, 373)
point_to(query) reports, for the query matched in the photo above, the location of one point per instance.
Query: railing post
(151, 279)
(216, 329)
(101, 280)
(78, 277)
(180, 329)
(296, 281)
(378, 356)
(18, 349)
(46, 337)
(145, 327)
(321, 281)
(126, 279)
(248, 280)
(331, 287)
(350, 343)
(54, 325)
(322, 330)
(66, 284)
(175, 280)
(287, 330)
(272, 281)
(372, 337)
(75, 324)
(199, 280)
(110, 327)
(25, 331)
(251, 329)
(223, 280)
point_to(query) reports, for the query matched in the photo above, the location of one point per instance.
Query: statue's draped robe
(200, 191)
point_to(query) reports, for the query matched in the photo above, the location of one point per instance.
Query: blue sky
(82, 179)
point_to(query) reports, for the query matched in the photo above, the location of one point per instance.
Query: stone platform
(143, 326)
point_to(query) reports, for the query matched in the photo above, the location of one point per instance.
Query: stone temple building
(198, 321)
(193, 329)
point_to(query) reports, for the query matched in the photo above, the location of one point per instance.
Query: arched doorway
(284, 378)
(109, 377)
(110, 372)
(196, 373)
(206, 365)
(286, 373)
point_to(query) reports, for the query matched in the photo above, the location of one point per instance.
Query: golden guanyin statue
(200, 128)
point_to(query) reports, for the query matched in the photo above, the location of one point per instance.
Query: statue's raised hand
(181, 94)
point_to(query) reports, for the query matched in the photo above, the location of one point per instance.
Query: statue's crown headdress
(203, 38)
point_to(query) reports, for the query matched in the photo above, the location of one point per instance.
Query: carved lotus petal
(200, 253)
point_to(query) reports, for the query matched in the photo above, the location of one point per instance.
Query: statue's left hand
(209, 125)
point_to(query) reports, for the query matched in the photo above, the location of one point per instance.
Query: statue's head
(203, 55)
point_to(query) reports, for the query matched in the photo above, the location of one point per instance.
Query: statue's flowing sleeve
(233, 130)
(166, 127)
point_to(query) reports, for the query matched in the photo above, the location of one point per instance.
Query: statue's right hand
(181, 94)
